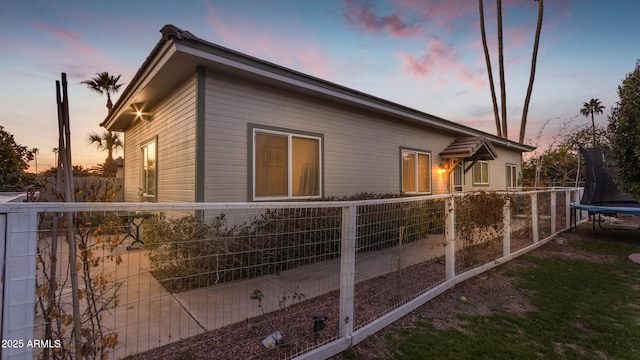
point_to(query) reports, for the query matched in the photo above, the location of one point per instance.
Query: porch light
(143, 116)
(443, 169)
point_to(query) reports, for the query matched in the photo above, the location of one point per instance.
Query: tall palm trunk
(534, 57)
(487, 59)
(109, 103)
(503, 91)
(593, 129)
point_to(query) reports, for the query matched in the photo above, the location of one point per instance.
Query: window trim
(416, 170)
(477, 165)
(144, 196)
(514, 179)
(253, 130)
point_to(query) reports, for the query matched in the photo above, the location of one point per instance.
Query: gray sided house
(205, 123)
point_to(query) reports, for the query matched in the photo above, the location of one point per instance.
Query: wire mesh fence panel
(521, 224)
(232, 278)
(479, 229)
(400, 255)
(261, 281)
(264, 269)
(561, 220)
(120, 308)
(544, 214)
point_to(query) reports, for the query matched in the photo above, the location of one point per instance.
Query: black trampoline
(601, 193)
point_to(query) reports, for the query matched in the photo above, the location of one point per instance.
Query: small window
(481, 173)
(512, 177)
(149, 171)
(416, 172)
(286, 165)
(458, 177)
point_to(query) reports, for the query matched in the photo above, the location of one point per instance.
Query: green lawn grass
(585, 310)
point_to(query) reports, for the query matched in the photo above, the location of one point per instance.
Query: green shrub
(187, 253)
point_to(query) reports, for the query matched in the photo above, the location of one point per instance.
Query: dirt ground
(493, 289)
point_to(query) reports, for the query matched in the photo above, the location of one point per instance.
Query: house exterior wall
(497, 171)
(361, 150)
(173, 124)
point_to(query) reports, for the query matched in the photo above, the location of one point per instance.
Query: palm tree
(503, 90)
(109, 142)
(489, 71)
(35, 152)
(534, 57)
(104, 83)
(594, 106)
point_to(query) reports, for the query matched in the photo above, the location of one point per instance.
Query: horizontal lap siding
(361, 150)
(497, 171)
(174, 124)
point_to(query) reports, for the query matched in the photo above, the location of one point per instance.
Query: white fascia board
(164, 54)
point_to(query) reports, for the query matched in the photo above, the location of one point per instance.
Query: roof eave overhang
(316, 86)
(211, 56)
(123, 113)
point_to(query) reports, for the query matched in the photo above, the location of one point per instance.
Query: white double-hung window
(512, 177)
(286, 165)
(148, 171)
(416, 171)
(481, 173)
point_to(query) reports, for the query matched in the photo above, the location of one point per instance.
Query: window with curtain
(286, 165)
(481, 173)
(512, 177)
(416, 172)
(148, 175)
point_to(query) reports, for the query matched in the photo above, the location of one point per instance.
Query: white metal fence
(249, 280)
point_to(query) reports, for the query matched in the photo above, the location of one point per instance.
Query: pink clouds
(440, 60)
(72, 40)
(440, 13)
(281, 48)
(359, 13)
(76, 57)
(437, 56)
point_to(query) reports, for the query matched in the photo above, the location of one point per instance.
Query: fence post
(553, 194)
(534, 217)
(347, 270)
(506, 237)
(19, 290)
(3, 244)
(567, 202)
(450, 237)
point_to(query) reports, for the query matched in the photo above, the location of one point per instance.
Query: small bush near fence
(187, 253)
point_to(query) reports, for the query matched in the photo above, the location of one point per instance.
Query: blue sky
(423, 54)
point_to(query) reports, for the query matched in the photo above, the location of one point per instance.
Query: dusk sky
(423, 54)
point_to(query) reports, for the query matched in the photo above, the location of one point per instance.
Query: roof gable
(470, 148)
